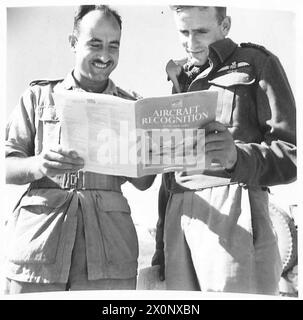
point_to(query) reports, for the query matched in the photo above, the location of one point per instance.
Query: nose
(191, 42)
(104, 55)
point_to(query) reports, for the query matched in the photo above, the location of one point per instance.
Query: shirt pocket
(50, 125)
(229, 85)
(34, 228)
(118, 232)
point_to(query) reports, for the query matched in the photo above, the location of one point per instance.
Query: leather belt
(80, 181)
(174, 187)
(180, 189)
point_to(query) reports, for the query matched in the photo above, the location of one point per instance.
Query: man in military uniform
(214, 232)
(71, 230)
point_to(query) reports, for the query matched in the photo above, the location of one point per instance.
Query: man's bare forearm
(21, 170)
(52, 162)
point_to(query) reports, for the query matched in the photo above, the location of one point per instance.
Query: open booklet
(130, 138)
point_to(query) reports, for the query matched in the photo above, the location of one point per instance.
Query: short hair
(220, 11)
(85, 9)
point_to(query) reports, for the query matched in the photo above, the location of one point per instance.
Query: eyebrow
(198, 29)
(115, 42)
(98, 40)
(95, 40)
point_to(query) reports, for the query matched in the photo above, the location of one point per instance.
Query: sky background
(36, 41)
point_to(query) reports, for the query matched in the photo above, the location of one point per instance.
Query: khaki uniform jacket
(41, 230)
(256, 103)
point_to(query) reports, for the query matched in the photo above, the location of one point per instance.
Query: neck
(89, 85)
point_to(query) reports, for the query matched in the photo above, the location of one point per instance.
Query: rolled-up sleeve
(20, 129)
(273, 161)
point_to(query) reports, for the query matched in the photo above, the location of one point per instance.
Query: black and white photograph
(150, 150)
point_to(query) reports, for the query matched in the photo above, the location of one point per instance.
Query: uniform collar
(69, 83)
(220, 50)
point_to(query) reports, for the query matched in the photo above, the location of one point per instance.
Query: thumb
(175, 82)
(173, 70)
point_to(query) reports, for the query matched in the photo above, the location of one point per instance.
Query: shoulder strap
(44, 82)
(45, 88)
(255, 46)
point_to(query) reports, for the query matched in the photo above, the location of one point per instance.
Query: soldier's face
(198, 28)
(97, 47)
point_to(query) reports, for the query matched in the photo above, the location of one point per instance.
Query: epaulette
(255, 46)
(44, 82)
(129, 94)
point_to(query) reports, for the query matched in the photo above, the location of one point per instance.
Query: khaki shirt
(41, 230)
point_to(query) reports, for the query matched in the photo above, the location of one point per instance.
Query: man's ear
(73, 41)
(226, 24)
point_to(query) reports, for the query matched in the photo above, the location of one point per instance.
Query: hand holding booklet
(131, 138)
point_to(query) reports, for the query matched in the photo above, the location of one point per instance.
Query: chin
(198, 62)
(99, 77)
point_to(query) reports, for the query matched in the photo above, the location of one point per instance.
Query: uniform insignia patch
(235, 65)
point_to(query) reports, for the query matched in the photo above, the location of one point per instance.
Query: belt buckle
(74, 180)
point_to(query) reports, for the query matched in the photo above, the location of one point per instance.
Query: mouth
(197, 57)
(195, 52)
(99, 64)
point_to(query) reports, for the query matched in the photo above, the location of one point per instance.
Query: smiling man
(214, 232)
(96, 49)
(71, 230)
